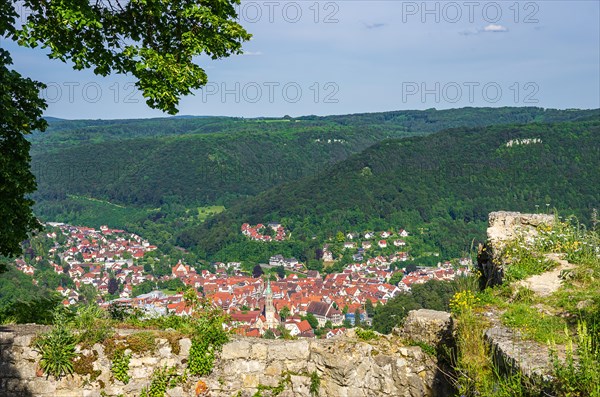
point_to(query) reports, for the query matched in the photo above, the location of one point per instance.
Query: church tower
(271, 321)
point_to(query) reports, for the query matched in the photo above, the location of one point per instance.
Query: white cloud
(491, 28)
(495, 28)
(252, 53)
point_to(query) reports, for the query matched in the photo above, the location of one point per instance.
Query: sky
(340, 57)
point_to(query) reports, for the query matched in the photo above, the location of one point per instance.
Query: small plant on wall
(57, 349)
(120, 366)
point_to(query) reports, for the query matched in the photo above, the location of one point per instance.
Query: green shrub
(92, 324)
(141, 342)
(208, 340)
(315, 384)
(202, 357)
(365, 334)
(183, 324)
(162, 379)
(57, 349)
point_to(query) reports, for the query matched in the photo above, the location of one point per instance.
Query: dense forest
(433, 120)
(64, 133)
(215, 160)
(163, 177)
(195, 168)
(441, 186)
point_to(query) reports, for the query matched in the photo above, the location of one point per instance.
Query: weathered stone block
(184, 347)
(250, 380)
(297, 350)
(41, 386)
(259, 351)
(236, 349)
(427, 326)
(176, 392)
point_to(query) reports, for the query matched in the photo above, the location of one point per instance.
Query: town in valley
(111, 267)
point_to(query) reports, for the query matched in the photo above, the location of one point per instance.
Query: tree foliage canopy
(434, 295)
(154, 40)
(21, 111)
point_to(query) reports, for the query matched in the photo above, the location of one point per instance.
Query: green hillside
(195, 168)
(65, 133)
(440, 186)
(433, 120)
(208, 160)
(152, 175)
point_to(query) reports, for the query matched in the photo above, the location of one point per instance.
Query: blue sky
(337, 57)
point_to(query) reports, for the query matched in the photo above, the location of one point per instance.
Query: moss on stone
(141, 342)
(84, 365)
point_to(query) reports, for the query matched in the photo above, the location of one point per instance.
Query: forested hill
(64, 133)
(433, 120)
(61, 133)
(192, 169)
(215, 160)
(442, 185)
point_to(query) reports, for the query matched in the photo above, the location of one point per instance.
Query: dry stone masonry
(503, 227)
(511, 352)
(427, 326)
(345, 366)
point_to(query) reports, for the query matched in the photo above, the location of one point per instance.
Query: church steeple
(271, 321)
(268, 291)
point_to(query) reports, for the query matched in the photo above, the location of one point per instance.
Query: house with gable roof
(324, 312)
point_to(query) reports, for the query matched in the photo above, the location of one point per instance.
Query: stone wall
(503, 227)
(511, 353)
(345, 366)
(20, 375)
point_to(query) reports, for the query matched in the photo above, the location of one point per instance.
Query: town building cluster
(93, 257)
(260, 232)
(89, 256)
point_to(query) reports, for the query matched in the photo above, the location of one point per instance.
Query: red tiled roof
(304, 326)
